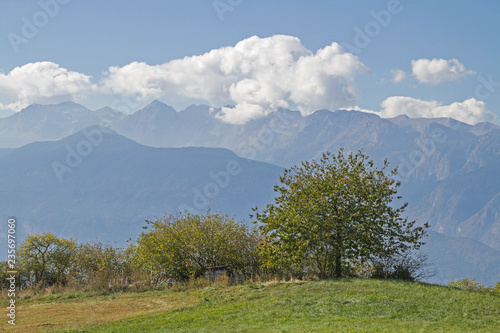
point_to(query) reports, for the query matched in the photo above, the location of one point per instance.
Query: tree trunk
(338, 265)
(338, 256)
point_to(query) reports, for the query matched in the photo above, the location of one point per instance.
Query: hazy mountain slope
(458, 198)
(154, 124)
(485, 224)
(44, 122)
(5, 151)
(110, 192)
(458, 258)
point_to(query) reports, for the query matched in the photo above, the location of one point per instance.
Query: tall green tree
(46, 259)
(334, 211)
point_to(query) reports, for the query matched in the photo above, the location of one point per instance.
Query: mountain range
(100, 184)
(54, 175)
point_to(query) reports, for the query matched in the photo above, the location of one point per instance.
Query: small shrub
(470, 284)
(402, 267)
(496, 289)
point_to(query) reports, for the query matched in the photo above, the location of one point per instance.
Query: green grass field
(320, 306)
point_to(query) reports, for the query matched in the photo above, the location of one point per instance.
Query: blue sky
(88, 37)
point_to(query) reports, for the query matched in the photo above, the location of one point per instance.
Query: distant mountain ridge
(433, 155)
(449, 170)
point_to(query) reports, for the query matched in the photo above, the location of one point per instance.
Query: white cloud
(41, 82)
(257, 75)
(436, 71)
(470, 111)
(357, 108)
(241, 113)
(398, 75)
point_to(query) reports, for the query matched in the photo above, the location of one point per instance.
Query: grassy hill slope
(322, 306)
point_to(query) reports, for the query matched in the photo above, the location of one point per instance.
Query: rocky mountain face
(45, 123)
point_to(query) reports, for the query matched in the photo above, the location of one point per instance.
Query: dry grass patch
(42, 315)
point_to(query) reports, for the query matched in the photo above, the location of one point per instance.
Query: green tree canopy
(187, 245)
(46, 259)
(105, 259)
(334, 211)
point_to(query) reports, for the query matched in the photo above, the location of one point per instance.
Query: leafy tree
(5, 272)
(331, 212)
(46, 259)
(186, 245)
(98, 262)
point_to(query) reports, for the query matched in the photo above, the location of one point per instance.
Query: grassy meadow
(347, 305)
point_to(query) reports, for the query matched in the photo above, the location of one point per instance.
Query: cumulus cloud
(398, 75)
(436, 71)
(470, 111)
(257, 75)
(41, 82)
